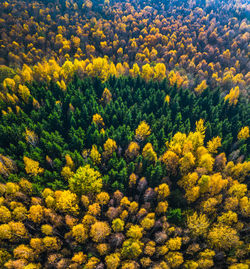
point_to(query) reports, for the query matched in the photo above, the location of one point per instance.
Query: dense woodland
(198, 43)
(89, 113)
(124, 134)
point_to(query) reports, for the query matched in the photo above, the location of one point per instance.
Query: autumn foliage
(124, 134)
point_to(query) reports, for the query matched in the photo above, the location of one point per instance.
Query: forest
(124, 134)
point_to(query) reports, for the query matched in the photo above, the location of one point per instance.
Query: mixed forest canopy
(124, 134)
(194, 43)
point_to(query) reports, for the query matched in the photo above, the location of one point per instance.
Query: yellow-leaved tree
(32, 167)
(233, 96)
(243, 133)
(86, 180)
(142, 131)
(197, 224)
(109, 147)
(99, 231)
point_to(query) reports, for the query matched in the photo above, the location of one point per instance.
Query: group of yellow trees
(16, 91)
(62, 228)
(135, 38)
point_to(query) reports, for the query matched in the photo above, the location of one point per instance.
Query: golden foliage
(148, 153)
(80, 233)
(95, 155)
(99, 231)
(233, 96)
(86, 180)
(142, 131)
(223, 237)
(243, 133)
(197, 224)
(31, 137)
(132, 150)
(32, 167)
(97, 119)
(66, 202)
(201, 87)
(109, 147)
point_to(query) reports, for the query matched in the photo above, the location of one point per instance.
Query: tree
(99, 67)
(112, 260)
(9, 83)
(103, 249)
(92, 263)
(31, 137)
(51, 243)
(187, 162)
(228, 218)
(79, 258)
(5, 232)
(18, 231)
(135, 71)
(80, 233)
(213, 144)
(132, 180)
(174, 259)
(36, 213)
(23, 252)
(66, 172)
(171, 160)
(223, 237)
(106, 96)
(162, 191)
(67, 202)
(69, 161)
(162, 207)
(206, 258)
(142, 131)
(98, 120)
(160, 71)
(131, 248)
(132, 150)
(201, 87)
(24, 93)
(240, 171)
(233, 96)
(175, 78)
(167, 99)
(47, 229)
(135, 232)
(102, 198)
(147, 72)
(11, 188)
(197, 224)
(86, 180)
(118, 225)
(174, 243)
(94, 209)
(243, 133)
(99, 231)
(32, 167)
(206, 161)
(239, 266)
(245, 206)
(149, 221)
(7, 166)
(95, 155)
(20, 213)
(5, 215)
(109, 147)
(148, 153)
